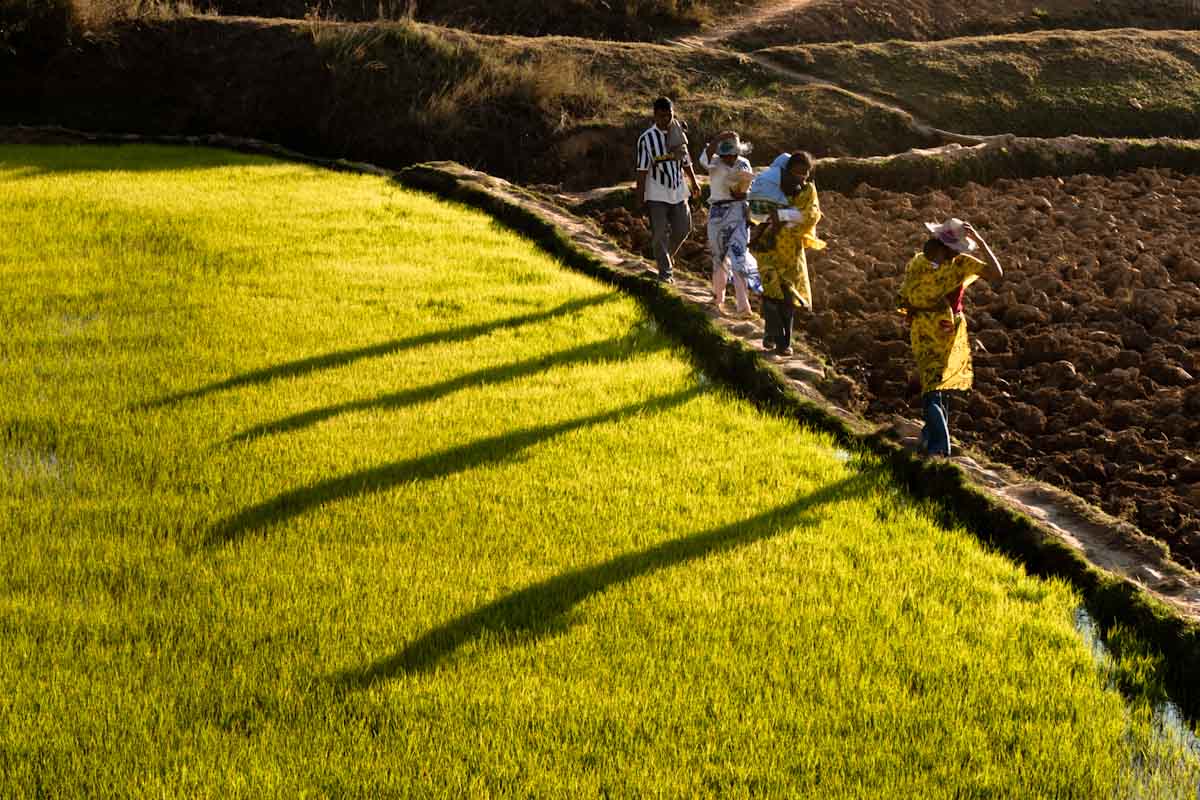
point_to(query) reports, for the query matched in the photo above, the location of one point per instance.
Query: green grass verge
(1108, 83)
(311, 483)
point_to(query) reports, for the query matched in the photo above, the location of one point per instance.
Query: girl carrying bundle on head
(931, 297)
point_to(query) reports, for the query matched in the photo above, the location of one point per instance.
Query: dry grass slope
(565, 110)
(1104, 83)
(921, 20)
(532, 109)
(635, 20)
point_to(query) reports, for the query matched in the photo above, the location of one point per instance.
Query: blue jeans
(936, 436)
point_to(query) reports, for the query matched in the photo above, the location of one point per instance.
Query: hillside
(534, 109)
(566, 110)
(563, 112)
(922, 20)
(626, 20)
(1106, 83)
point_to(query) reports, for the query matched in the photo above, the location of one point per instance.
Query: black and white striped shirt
(664, 181)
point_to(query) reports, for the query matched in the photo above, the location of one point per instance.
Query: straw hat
(953, 234)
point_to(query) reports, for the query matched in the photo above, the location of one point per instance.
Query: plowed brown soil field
(1085, 354)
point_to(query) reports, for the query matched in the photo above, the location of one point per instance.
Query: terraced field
(301, 495)
(316, 485)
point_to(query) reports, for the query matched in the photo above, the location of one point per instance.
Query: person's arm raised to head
(992, 272)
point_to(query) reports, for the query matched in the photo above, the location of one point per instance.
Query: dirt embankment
(563, 111)
(567, 111)
(384, 93)
(1086, 354)
(641, 20)
(927, 20)
(1105, 83)
(626, 21)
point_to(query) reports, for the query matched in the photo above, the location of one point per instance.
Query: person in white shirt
(729, 176)
(663, 164)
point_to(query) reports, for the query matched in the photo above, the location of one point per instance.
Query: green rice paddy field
(311, 485)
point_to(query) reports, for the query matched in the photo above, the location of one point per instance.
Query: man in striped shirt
(662, 165)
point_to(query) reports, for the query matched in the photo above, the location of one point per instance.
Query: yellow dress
(784, 268)
(939, 333)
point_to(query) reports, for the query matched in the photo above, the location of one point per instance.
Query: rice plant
(314, 485)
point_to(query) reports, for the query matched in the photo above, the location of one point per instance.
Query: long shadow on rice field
(341, 358)
(537, 611)
(492, 450)
(610, 351)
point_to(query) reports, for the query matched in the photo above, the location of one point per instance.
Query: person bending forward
(781, 257)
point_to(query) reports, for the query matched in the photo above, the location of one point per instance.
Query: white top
(664, 173)
(720, 175)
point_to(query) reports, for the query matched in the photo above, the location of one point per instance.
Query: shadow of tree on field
(341, 358)
(493, 450)
(612, 350)
(537, 611)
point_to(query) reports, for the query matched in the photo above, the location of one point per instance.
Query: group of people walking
(769, 260)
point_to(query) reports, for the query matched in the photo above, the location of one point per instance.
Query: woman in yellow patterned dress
(782, 263)
(932, 298)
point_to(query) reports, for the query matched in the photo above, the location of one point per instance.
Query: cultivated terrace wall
(1012, 157)
(1007, 157)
